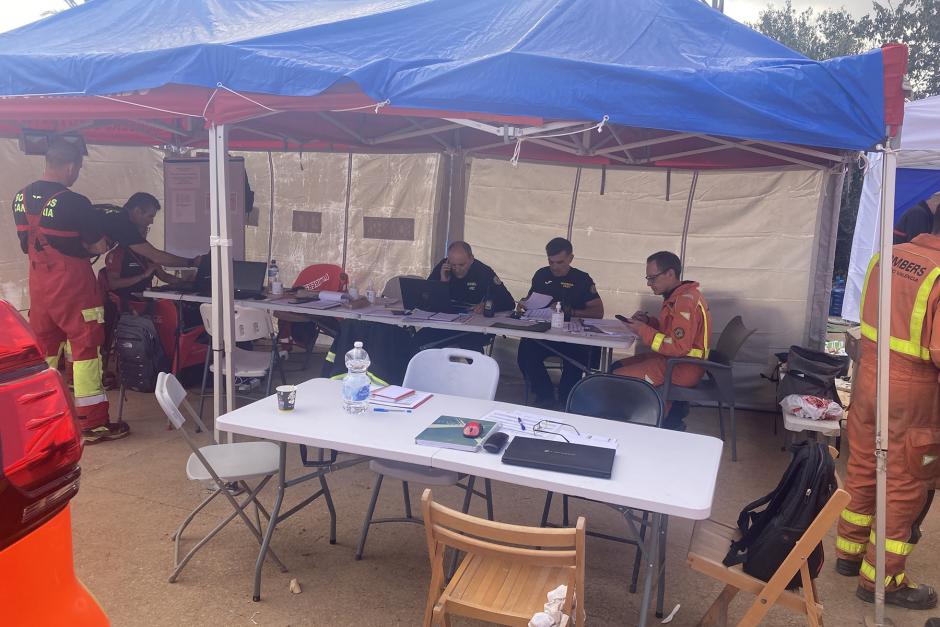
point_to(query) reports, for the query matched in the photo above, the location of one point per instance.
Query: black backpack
(140, 353)
(770, 534)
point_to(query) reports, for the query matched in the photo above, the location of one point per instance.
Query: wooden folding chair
(710, 543)
(505, 577)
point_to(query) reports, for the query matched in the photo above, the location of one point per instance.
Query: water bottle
(558, 317)
(370, 293)
(356, 382)
(274, 278)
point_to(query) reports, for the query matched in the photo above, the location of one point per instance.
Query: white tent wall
(760, 242)
(378, 186)
(110, 174)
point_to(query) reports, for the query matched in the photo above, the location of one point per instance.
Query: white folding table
(666, 473)
(476, 324)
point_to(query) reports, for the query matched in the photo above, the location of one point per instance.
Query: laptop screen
(248, 276)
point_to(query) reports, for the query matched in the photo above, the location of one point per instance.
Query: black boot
(913, 597)
(848, 568)
(675, 419)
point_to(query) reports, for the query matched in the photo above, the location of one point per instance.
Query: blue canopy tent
(668, 83)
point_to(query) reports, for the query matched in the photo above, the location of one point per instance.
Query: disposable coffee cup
(286, 397)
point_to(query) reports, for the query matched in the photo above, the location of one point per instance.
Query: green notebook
(447, 432)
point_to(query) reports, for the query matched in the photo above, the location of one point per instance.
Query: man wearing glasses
(680, 331)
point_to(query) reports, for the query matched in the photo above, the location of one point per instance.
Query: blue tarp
(666, 64)
(912, 186)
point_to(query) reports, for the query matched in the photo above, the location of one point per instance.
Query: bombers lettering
(909, 267)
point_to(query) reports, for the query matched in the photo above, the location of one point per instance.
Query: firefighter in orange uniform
(680, 331)
(914, 423)
(59, 230)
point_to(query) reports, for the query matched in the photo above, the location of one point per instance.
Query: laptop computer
(427, 295)
(575, 459)
(248, 278)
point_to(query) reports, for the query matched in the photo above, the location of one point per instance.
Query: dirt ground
(134, 494)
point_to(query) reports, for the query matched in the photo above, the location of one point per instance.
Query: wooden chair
(710, 543)
(504, 578)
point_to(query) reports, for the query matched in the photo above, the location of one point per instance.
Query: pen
(391, 411)
(521, 424)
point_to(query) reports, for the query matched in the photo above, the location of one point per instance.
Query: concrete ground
(135, 492)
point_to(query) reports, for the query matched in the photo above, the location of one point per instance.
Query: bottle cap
(357, 344)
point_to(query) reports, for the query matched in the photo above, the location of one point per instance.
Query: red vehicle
(40, 447)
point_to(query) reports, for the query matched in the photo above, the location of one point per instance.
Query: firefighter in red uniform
(913, 428)
(59, 231)
(680, 331)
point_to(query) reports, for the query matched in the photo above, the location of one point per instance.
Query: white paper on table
(331, 296)
(318, 304)
(445, 317)
(420, 314)
(523, 423)
(537, 301)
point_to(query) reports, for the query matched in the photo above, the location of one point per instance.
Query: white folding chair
(222, 464)
(249, 324)
(442, 371)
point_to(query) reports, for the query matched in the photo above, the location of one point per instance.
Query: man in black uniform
(576, 292)
(470, 282)
(917, 220)
(133, 263)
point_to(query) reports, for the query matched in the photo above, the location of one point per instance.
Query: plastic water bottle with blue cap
(356, 382)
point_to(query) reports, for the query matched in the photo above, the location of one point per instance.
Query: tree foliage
(835, 33)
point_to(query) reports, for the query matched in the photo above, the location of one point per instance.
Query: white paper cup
(286, 397)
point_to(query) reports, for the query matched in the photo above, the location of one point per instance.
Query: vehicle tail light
(40, 442)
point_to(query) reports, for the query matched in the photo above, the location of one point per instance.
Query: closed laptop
(575, 459)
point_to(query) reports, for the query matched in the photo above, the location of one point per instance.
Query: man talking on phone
(680, 331)
(470, 282)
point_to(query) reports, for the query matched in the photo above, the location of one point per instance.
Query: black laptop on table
(427, 296)
(247, 278)
(575, 459)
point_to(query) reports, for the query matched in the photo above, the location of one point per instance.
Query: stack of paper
(410, 400)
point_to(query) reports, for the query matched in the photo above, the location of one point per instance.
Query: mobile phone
(623, 318)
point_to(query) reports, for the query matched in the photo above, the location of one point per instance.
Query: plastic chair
(709, 545)
(718, 384)
(505, 577)
(304, 330)
(249, 324)
(623, 399)
(441, 371)
(238, 463)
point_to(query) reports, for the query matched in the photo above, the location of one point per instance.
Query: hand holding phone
(623, 319)
(445, 271)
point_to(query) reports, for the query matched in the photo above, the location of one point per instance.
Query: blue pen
(392, 411)
(521, 424)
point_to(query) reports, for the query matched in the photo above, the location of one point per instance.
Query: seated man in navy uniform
(576, 292)
(470, 282)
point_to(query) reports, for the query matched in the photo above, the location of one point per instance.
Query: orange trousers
(652, 368)
(914, 427)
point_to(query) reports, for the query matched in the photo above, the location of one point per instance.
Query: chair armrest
(709, 367)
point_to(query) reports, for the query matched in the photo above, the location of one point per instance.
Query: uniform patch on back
(679, 332)
(686, 315)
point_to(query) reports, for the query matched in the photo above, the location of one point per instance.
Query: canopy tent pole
(889, 165)
(216, 317)
(223, 337)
